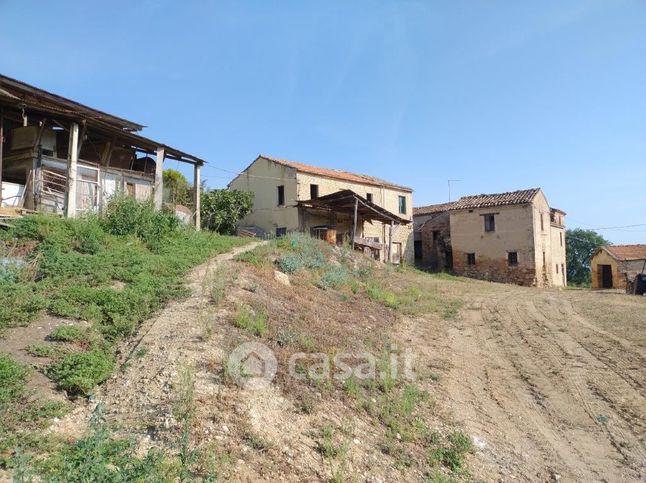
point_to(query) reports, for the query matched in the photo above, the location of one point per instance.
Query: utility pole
(449, 183)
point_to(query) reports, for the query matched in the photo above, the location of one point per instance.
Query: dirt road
(551, 383)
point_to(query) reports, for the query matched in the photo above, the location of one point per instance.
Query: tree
(581, 245)
(221, 210)
(180, 189)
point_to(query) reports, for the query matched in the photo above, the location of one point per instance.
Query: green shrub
(67, 333)
(12, 379)
(80, 372)
(127, 216)
(333, 277)
(245, 319)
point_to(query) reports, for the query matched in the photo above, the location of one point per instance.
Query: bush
(78, 373)
(12, 379)
(127, 216)
(334, 277)
(221, 210)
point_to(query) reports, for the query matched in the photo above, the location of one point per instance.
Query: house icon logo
(252, 365)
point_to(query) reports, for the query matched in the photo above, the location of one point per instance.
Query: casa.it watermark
(254, 365)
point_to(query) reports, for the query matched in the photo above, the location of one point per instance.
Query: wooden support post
(196, 194)
(354, 224)
(72, 160)
(390, 241)
(81, 138)
(1, 147)
(158, 188)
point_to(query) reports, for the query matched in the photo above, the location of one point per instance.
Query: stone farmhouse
(338, 206)
(614, 265)
(510, 237)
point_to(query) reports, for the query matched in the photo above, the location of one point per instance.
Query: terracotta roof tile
(498, 199)
(627, 252)
(337, 174)
(432, 209)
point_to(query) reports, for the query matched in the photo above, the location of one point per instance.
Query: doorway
(605, 276)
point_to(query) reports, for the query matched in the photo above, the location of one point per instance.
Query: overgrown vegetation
(222, 209)
(78, 262)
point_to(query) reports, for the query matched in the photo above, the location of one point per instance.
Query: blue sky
(501, 95)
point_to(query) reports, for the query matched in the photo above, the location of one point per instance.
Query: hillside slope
(507, 382)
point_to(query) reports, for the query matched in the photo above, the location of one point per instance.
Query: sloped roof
(344, 201)
(40, 99)
(432, 209)
(626, 252)
(336, 174)
(497, 199)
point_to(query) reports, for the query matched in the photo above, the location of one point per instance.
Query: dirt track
(552, 383)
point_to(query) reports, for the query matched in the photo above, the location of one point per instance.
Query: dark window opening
(369, 197)
(436, 235)
(402, 205)
(281, 231)
(557, 268)
(281, 196)
(542, 223)
(471, 258)
(314, 191)
(489, 223)
(512, 258)
(561, 237)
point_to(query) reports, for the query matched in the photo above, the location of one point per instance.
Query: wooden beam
(107, 153)
(81, 138)
(196, 195)
(354, 221)
(1, 147)
(72, 160)
(390, 241)
(158, 188)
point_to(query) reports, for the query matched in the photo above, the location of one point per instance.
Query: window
(314, 191)
(489, 222)
(561, 237)
(436, 235)
(281, 196)
(402, 205)
(471, 258)
(369, 197)
(542, 223)
(512, 259)
(544, 260)
(281, 232)
(557, 268)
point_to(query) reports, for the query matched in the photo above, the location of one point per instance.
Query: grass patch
(256, 323)
(12, 379)
(80, 372)
(67, 333)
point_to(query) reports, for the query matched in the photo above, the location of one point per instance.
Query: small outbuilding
(614, 265)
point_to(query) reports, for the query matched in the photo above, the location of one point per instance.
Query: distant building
(613, 265)
(290, 196)
(505, 237)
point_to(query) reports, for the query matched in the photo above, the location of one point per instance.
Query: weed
(333, 277)
(67, 333)
(141, 351)
(252, 257)
(327, 445)
(184, 412)
(45, 350)
(245, 319)
(12, 379)
(255, 441)
(450, 451)
(351, 388)
(384, 296)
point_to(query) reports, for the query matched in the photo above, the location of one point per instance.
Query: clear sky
(501, 95)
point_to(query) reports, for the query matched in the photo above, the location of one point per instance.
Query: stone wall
(436, 243)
